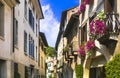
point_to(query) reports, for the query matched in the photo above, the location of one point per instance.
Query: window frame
(2, 20)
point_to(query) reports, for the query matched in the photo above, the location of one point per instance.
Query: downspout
(13, 29)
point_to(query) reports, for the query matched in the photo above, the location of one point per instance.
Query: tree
(50, 51)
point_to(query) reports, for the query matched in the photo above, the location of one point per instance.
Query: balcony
(68, 53)
(113, 29)
(75, 47)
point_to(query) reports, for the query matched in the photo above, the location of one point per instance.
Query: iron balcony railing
(113, 27)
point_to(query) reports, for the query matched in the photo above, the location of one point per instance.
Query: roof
(38, 8)
(42, 35)
(41, 10)
(64, 14)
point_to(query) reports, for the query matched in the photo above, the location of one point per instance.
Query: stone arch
(101, 50)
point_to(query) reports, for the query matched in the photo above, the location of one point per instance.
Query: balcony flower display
(97, 27)
(90, 47)
(87, 1)
(81, 50)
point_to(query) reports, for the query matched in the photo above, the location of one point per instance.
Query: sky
(52, 10)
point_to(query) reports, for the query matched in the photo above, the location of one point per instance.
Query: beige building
(51, 67)
(70, 37)
(19, 38)
(6, 37)
(43, 44)
(94, 67)
(65, 44)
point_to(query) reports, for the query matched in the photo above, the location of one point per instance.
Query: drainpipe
(13, 29)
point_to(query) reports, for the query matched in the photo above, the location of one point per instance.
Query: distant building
(42, 54)
(65, 44)
(51, 67)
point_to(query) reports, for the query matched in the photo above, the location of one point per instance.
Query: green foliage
(113, 67)
(50, 51)
(79, 71)
(101, 15)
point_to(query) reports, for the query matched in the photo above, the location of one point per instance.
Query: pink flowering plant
(81, 50)
(87, 48)
(82, 7)
(97, 27)
(90, 47)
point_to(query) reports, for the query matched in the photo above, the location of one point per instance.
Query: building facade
(42, 55)
(67, 37)
(106, 44)
(19, 40)
(51, 67)
(76, 30)
(6, 37)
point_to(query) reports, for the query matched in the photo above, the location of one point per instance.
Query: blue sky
(52, 10)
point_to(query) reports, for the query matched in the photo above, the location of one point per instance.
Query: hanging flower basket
(97, 27)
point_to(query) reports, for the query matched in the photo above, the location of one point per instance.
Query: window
(31, 19)
(1, 19)
(15, 32)
(84, 33)
(110, 5)
(41, 62)
(25, 41)
(38, 59)
(31, 47)
(16, 73)
(25, 9)
(42, 47)
(36, 54)
(26, 72)
(36, 29)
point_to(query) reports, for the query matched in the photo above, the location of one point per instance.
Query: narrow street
(59, 39)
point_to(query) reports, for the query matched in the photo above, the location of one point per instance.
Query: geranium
(82, 7)
(97, 27)
(82, 50)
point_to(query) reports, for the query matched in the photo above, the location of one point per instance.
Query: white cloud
(49, 25)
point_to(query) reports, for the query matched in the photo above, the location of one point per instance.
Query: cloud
(49, 25)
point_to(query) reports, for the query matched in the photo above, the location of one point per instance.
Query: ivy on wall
(79, 71)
